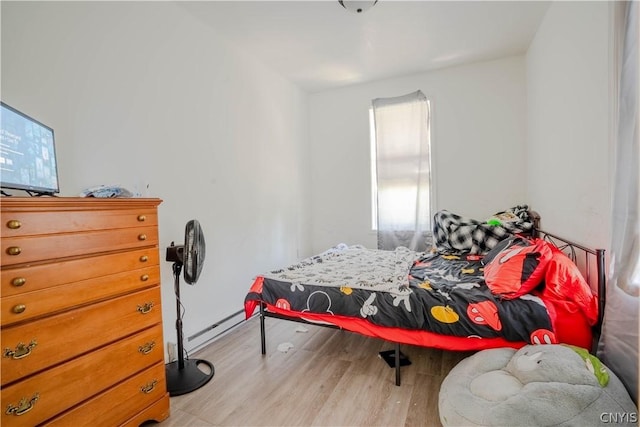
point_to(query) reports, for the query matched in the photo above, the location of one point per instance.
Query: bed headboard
(591, 263)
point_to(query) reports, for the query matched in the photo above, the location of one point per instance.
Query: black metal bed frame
(571, 249)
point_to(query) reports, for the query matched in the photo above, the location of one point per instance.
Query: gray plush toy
(538, 385)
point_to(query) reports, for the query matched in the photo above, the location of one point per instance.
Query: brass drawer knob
(20, 308)
(14, 224)
(144, 258)
(24, 406)
(14, 250)
(142, 237)
(142, 218)
(147, 348)
(144, 277)
(18, 281)
(21, 350)
(146, 307)
(148, 388)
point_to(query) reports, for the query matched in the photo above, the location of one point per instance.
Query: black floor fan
(185, 376)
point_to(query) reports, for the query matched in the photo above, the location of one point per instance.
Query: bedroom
(146, 96)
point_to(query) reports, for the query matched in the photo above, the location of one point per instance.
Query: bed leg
(262, 330)
(397, 360)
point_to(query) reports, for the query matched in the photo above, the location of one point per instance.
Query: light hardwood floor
(329, 378)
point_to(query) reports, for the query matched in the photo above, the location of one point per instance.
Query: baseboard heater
(210, 328)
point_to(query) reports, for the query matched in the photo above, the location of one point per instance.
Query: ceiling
(319, 45)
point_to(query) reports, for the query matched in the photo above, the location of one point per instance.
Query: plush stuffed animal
(541, 385)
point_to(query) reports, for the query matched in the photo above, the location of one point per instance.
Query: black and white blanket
(454, 233)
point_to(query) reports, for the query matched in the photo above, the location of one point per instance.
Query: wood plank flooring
(329, 378)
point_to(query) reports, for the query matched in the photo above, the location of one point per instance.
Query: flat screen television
(27, 153)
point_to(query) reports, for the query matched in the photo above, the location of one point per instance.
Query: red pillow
(570, 326)
(516, 267)
(564, 282)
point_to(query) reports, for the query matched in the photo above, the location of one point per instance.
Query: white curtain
(619, 342)
(402, 168)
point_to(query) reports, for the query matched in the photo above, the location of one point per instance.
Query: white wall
(144, 95)
(478, 139)
(141, 94)
(568, 110)
(570, 78)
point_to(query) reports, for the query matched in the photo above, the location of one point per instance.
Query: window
(401, 168)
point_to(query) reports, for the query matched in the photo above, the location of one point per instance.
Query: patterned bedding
(439, 293)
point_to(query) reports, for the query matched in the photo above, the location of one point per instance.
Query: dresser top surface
(66, 203)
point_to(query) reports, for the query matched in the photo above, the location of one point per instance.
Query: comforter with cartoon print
(440, 293)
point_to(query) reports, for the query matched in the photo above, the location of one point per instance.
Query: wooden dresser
(81, 320)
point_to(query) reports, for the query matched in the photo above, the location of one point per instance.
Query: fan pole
(184, 376)
(177, 267)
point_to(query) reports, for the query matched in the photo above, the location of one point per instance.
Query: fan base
(188, 379)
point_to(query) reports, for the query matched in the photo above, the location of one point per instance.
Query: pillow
(564, 282)
(570, 326)
(502, 218)
(514, 220)
(518, 213)
(516, 266)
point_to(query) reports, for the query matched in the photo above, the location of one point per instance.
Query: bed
(451, 298)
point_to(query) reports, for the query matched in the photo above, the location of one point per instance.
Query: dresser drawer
(51, 392)
(31, 305)
(158, 411)
(37, 345)
(36, 223)
(118, 404)
(19, 280)
(18, 250)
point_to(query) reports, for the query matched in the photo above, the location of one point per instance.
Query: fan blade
(194, 251)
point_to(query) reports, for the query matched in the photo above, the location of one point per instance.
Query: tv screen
(27, 153)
